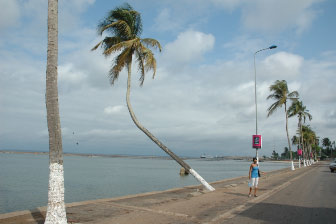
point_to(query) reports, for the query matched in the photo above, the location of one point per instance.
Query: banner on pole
(256, 141)
(299, 152)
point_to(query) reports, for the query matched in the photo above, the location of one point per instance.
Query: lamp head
(272, 47)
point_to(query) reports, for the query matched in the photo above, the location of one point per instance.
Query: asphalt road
(309, 199)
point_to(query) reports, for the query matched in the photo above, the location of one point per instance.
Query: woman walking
(254, 175)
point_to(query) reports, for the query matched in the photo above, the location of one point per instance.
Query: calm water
(24, 177)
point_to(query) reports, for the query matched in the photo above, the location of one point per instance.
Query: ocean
(24, 177)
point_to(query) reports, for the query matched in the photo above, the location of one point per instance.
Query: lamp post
(255, 99)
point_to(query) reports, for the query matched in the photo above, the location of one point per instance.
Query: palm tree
(310, 139)
(124, 23)
(281, 95)
(327, 144)
(56, 208)
(297, 108)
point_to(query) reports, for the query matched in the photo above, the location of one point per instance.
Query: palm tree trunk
(155, 140)
(301, 133)
(56, 208)
(289, 145)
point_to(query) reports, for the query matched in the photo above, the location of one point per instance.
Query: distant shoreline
(242, 158)
(80, 154)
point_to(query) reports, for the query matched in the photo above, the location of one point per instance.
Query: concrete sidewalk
(176, 206)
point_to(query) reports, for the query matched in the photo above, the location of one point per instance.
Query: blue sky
(202, 98)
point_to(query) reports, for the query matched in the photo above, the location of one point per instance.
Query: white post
(299, 162)
(200, 179)
(292, 165)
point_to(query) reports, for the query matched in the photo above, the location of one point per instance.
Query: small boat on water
(204, 156)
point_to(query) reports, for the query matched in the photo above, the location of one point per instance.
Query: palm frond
(95, 47)
(149, 42)
(125, 25)
(293, 94)
(119, 27)
(119, 46)
(150, 63)
(119, 63)
(273, 108)
(141, 65)
(110, 41)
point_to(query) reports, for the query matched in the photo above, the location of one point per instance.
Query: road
(309, 199)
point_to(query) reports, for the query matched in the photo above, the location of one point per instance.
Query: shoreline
(237, 158)
(230, 182)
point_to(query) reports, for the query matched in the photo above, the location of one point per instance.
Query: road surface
(309, 199)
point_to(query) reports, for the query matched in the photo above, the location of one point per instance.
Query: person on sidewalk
(254, 175)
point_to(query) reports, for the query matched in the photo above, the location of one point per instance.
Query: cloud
(189, 46)
(228, 4)
(281, 65)
(68, 74)
(165, 21)
(9, 14)
(113, 109)
(276, 16)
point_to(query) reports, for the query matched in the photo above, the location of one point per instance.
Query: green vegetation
(281, 95)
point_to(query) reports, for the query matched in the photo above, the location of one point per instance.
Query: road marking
(235, 211)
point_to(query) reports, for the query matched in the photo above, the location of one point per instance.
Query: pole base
(292, 165)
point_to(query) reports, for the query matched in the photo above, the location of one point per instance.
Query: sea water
(24, 177)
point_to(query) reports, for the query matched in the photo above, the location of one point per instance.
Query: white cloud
(281, 65)
(68, 74)
(165, 21)
(9, 13)
(189, 46)
(113, 109)
(275, 16)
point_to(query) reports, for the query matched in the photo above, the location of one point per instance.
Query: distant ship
(204, 156)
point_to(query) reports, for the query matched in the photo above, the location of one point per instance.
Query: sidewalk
(176, 206)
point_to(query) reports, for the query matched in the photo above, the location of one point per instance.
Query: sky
(202, 97)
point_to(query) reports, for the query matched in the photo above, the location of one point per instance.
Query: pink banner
(299, 152)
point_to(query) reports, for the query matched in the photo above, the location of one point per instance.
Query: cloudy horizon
(202, 97)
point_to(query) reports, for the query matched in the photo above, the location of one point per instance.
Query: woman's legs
(256, 186)
(255, 191)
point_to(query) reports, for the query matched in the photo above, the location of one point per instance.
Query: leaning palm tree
(281, 95)
(56, 208)
(125, 26)
(297, 108)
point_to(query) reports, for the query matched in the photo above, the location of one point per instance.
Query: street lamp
(257, 138)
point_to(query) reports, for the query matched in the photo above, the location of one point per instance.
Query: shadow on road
(37, 215)
(276, 213)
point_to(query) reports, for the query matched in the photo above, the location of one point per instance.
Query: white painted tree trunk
(200, 179)
(292, 165)
(299, 162)
(56, 208)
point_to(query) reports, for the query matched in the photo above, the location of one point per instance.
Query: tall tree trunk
(155, 140)
(301, 133)
(56, 208)
(290, 148)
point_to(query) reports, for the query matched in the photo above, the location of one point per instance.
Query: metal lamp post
(255, 98)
